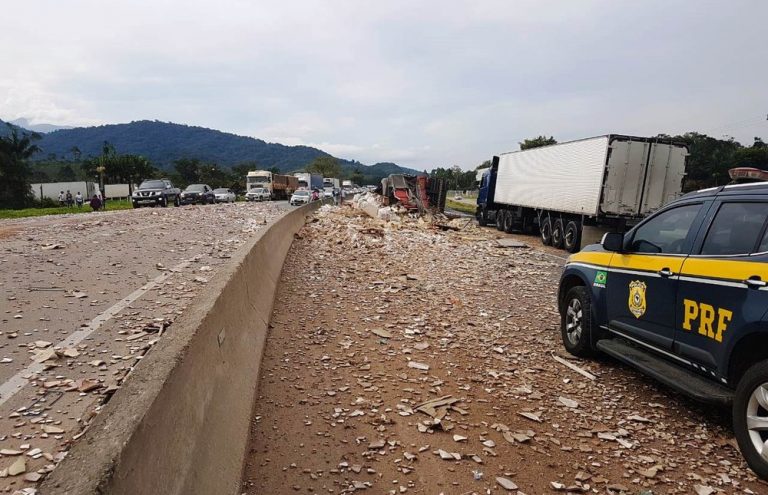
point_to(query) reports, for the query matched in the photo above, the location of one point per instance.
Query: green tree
(537, 142)
(708, 159)
(15, 172)
(188, 170)
(118, 169)
(357, 176)
(76, 153)
(214, 176)
(241, 169)
(326, 166)
(67, 174)
(754, 156)
(485, 164)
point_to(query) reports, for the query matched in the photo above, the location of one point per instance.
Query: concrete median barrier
(180, 423)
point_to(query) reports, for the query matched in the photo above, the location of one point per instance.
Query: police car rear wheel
(576, 322)
(750, 417)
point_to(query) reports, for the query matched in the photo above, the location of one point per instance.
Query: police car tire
(753, 378)
(500, 219)
(546, 232)
(583, 347)
(558, 233)
(572, 229)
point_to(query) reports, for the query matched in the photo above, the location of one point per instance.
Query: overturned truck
(415, 192)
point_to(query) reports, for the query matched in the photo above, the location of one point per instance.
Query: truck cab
(484, 214)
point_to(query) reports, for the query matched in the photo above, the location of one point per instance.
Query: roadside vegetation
(460, 206)
(112, 205)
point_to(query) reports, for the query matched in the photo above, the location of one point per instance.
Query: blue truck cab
(683, 297)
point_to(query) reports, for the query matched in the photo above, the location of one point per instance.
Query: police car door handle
(755, 282)
(665, 272)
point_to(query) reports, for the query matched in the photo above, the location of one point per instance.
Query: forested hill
(163, 142)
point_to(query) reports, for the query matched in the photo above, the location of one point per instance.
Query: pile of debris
(375, 206)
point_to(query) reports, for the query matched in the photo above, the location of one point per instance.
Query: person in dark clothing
(95, 203)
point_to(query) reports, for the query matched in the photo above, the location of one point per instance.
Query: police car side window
(735, 229)
(666, 232)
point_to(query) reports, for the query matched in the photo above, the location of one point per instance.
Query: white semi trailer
(592, 185)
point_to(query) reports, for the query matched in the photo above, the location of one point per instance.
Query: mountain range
(164, 142)
(43, 128)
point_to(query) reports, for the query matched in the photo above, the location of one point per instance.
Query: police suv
(683, 297)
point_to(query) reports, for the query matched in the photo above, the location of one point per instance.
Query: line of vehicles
(676, 286)
(162, 192)
(261, 185)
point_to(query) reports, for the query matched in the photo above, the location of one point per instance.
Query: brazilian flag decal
(600, 278)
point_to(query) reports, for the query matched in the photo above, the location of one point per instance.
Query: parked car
(300, 197)
(258, 194)
(198, 194)
(682, 297)
(224, 195)
(155, 192)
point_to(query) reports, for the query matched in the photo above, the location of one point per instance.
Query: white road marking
(14, 384)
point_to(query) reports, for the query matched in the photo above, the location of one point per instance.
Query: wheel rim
(757, 420)
(569, 237)
(573, 320)
(556, 236)
(545, 232)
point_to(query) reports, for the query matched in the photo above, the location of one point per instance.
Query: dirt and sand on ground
(407, 359)
(82, 299)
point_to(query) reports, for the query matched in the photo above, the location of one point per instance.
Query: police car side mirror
(613, 241)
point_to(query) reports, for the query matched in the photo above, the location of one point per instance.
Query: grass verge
(459, 206)
(123, 204)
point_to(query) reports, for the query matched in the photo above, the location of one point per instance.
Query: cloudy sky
(421, 83)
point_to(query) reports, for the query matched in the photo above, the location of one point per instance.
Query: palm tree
(15, 174)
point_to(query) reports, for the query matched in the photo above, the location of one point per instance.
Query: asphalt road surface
(82, 298)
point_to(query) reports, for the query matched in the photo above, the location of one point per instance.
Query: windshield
(152, 184)
(259, 179)
(195, 188)
(301, 193)
(221, 191)
(257, 190)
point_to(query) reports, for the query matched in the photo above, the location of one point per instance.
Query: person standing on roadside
(62, 198)
(79, 199)
(70, 202)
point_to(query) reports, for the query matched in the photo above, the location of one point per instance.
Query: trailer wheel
(558, 234)
(500, 216)
(546, 232)
(509, 222)
(572, 236)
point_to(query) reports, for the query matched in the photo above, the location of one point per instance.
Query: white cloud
(424, 83)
